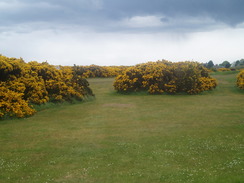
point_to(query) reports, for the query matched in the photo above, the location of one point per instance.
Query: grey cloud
(228, 11)
(164, 19)
(105, 15)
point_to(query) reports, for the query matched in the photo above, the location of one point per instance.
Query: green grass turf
(130, 138)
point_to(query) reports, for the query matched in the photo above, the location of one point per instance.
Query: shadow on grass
(49, 105)
(145, 93)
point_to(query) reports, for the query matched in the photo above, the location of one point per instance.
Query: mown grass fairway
(130, 138)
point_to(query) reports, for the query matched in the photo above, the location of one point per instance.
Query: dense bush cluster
(240, 80)
(163, 76)
(23, 84)
(223, 69)
(93, 71)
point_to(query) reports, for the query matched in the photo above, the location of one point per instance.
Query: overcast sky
(122, 32)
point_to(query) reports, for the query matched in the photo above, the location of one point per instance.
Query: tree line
(225, 64)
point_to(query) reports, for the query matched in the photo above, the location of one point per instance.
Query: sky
(122, 32)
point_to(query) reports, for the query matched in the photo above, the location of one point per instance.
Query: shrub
(100, 71)
(23, 84)
(12, 104)
(163, 76)
(240, 80)
(223, 69)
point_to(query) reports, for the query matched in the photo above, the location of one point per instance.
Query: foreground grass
(130, 138)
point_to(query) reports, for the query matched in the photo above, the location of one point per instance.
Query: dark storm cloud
(229, 11)
(111, 15)
(45, 11)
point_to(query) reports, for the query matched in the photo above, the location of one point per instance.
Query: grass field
(130, 138)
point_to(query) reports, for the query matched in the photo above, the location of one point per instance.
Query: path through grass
(129, 138)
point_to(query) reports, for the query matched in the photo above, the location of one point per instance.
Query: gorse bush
(164, 76)
(13, 104)
(223, 69)
(240, 80)
(23, 84)
(93, 71)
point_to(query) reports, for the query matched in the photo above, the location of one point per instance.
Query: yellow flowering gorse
(240, 80)
(23, 84)
(223, 69)
(164, 76)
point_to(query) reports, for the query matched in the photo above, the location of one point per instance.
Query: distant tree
(210, 64)
(226, 64)
(237, 63)
(204, 64)
(242, 62)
